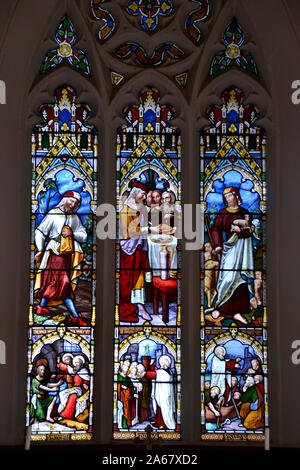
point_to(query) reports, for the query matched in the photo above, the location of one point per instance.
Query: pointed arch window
(62, 275)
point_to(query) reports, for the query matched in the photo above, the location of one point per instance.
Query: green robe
(252, 418)
(125, 395)
(42, 402)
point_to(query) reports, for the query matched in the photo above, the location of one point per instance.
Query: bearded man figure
(59, 256)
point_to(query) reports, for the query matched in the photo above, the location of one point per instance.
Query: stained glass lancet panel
(234, 403)
(147, 364)
(62, 272)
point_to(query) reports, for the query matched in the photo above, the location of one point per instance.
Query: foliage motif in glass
(65, 38)
(149, 11)
(147, 369)
(234, 402)
(106, 17)
(62, 272)
(233, 40)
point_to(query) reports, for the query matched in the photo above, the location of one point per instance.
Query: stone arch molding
(147, 79)
(203, 83)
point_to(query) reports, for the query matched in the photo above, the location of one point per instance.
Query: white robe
(164, 397)
(219, 375)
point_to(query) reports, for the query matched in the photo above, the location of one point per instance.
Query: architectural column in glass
(62, 272)
(147, 360)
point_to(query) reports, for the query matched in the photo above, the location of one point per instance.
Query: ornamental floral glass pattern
(65, 38)
(234, 402)
(149, 11)
(62, 272)
(147, 368)
(233, 40)
(195, 17)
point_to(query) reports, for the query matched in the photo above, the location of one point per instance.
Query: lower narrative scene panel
(234, 382)
(147, 379)
(60, 382)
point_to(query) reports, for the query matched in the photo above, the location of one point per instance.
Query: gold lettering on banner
(235, 437)
(58, 437)
(174, 436)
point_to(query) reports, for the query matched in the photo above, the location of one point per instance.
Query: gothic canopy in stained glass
(234, 368)
(62, 310)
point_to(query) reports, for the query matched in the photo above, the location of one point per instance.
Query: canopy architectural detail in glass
(62, 309)
(233, 55)
(147, 367)
(234, 368)
(65, 37)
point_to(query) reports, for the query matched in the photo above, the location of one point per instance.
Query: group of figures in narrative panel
(62, 294)
(233, 311)
(147, 317)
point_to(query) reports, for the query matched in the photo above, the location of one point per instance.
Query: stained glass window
(147, 367)
(62, 272)
(234, 403)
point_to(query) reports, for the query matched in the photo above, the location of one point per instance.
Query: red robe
(56, 278)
